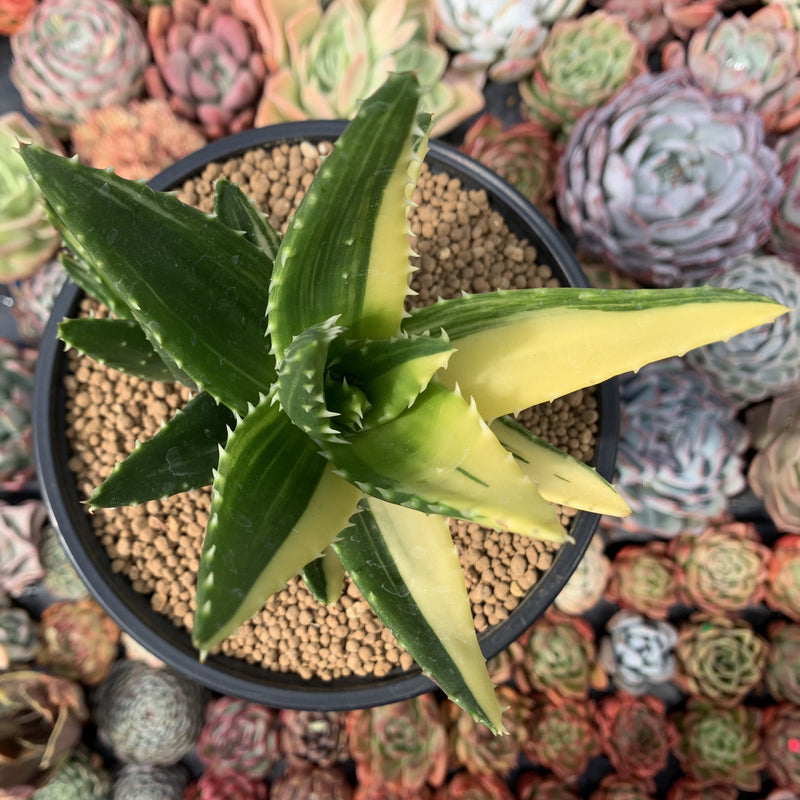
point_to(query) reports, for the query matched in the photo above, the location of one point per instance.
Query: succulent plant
(61, 579)
(638, 653)
(207, 64)
(33, 298)
(377, 790)
(388, 391)
(782, 745)
(720, 658)
(645, 579)
(139, 139)
(466, 786)
(667, 183)
(535, 786)
(13, 13)
(562, 736)
(688, 789)
(676, 479)
(499, 40)
(722, 569)
(310, 781)
(784, 240)
(524, 154)
(782, 667)
(149, 782)
(20, 529)
(210, 786)
(773, 472)
(74, 55)
(636, 735)
(18, 636)
(615, 787)
(148, 716)
(765, 361)
(315, 737)
(239, 736)
(781, 589)
(17, 366)
(27, 238)
(756, 56)
(559, 658)
(587, 583)
(583, 63)
(41, 721)
(329, 55)
(403, 744)
(720, 744)
(80, 777)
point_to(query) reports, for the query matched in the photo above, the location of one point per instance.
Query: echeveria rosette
(588, 582)
(782, 667)
(466, 786)
(583, 63)
(377, 790)
(558, 658)
(645, 579)
(210, 786)
(756, 56)
(724, 568)
(536, 786)
(784, 240)
(562, 736)
(765, 361)
(27, 237)
(782, 745)
(718, 744)
(17, 365)
(616, 787)
(74, 55)
(208, 66)
(240, 737)
(402, 744)
(81, 776)
(20, 532)
(668, 183)
(41, 722)
(311, 781)
(688, 789)
(13, 13)
(720, 658)
(782, 589)
(638, 653)
(636, 735)
(316, 737)
(676, 478)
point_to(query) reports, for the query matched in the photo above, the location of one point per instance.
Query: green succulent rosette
(782, 666)
(80, 777)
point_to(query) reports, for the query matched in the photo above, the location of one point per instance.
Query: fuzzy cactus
(403, 744)
(138, 140)
(720, 658)
(782, 666)
(717, 744)
(239, 736)
(80, 777)
(784, 240)
(764, 361)
(74, 55)
(645, 579)
(310, 781)
(315, 737)
(669, 198)
(587, 583)
(638, 653)
(756, 56)
(33, 299)
(466, 786)
(207, 64)
(210, 786)
(782, 589)
(782, 745)
(18, 636)
(149, 782)
(20, 531)
(676, 478)
(583, 63)
(722, 569)
(148, 716)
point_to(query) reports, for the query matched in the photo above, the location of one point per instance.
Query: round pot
(132, 611)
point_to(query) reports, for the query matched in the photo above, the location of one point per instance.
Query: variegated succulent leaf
(239, 213)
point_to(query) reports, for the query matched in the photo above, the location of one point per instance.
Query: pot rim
(132, 611)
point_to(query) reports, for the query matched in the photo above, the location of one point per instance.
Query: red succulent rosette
(782, 745)
(782, 589)
(615, 787)
(782, 667)
(466, 786)
(309, 781)
(378, 790)
(687, 789)
(535, 786)
(210, 786)
(316, 737)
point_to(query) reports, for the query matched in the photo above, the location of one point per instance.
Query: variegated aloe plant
(332, 423)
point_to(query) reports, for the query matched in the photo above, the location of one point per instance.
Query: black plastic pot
(132, 610)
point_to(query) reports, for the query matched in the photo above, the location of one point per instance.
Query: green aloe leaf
(440, 457)
(515, 349)
(117, 343)
(324, 577)
(91, 283)
(276, 505)
(180, 457)
(346, 249)
(406, 566)
(237, 211)
(211, 321)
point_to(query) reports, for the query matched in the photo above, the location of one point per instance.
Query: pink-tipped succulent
(239, 737)
(587, 584)
(782, 667)
(208, 66)
(13, 13)
(315, 737)
(466, 786)
(20, 532)
(210, 786)
(645, 579)
(309, 781)
(782, 745)
(403, 744)
(782, 589)
(755, 56)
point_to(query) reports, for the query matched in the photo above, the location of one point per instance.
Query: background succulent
(13, 14)
(467, 786)
(783, 576)
(781, 739)
(316, 737)
(17, 364)
(756, 56)
(588, 582)
(667, 182)
(18, 636)
(536, 786)
(688, 789)
(207, 64)
(149, 782)
(33, 298)
(210, 786)
(27, 239)
(784, 240)
(74, 55)
(722, 569)
(80, 777)
(20, 530)
(615, 787)
(782, 666)
(148, 716)
(583, 63)
(60, 578)
(676, 477)
(311, 781)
